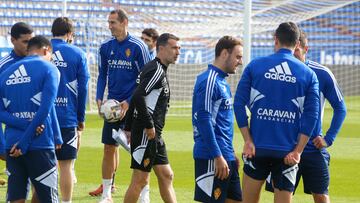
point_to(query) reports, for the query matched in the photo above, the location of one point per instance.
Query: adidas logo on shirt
(58, 60)
(18, 77)
(281, 72)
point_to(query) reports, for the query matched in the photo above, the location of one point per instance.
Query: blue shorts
(314, 170)
(40, 167)
(68, 149)
(107, 132)
(208, 188)
(283, 176)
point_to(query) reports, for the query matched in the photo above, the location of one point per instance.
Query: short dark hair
(38, 42)
(20, 28)
(303, 39)
(122, 15)
(164, 38)
(288, 34)
(61, 26)
(228, 43)
(151, 32)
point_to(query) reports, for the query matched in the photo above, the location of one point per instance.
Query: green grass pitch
(345, 163)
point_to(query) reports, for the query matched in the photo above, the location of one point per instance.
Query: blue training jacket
(282, 94)
(329, 90)
(119, 65)
(212, 116)
(74, 76)
(5, 62)
(28, 90)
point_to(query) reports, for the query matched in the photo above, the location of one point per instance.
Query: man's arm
(206, 94)
(82, 78)
(129, 117)
(249, 147)
(102, 77)
(56, 129)
(308, 120)
(10, 120)
(334, 95)
(49, 92)
(147, 83)
(129, 121)
(242, 99)
(311, 107)
(2, 144)
(294, 157)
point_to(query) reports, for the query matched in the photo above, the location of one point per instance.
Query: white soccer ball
(111, 110)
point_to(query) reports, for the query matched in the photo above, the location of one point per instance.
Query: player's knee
(321, 198)
(141, 182)
(109, 149)
(168, 176)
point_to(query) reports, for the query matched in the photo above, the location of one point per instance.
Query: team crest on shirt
(128, 52)
(146, 162)
(217, 193)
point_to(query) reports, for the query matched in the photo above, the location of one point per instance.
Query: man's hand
(14, 152)
(249, 149)
(128, 136)
(292, 158)
(40, 129)
(124, 107)
(237, 161)
(150, 133)
(221, 168)
(58, 146)
(81, 126)
(99, 103)
(319, 142)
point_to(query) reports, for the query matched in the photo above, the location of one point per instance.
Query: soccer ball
(111, 110)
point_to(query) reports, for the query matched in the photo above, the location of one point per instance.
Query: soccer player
(315, 160)
(71, 98)
(28, 90)
(20, 33)
(150, 103)
(121, 59)
(282, 94)
(150, 36)
(216, 165)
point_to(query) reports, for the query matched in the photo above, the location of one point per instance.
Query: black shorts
(68, 149)
(146, 153)
(107, 132)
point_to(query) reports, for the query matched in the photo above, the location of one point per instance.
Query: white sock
(106, 188)
(145, 194)
(65, 201)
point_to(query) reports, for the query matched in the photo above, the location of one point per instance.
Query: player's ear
(125, 22)
(306, 49)
(12, 40)
(161, 47)
(224, 53)
(297, 43)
